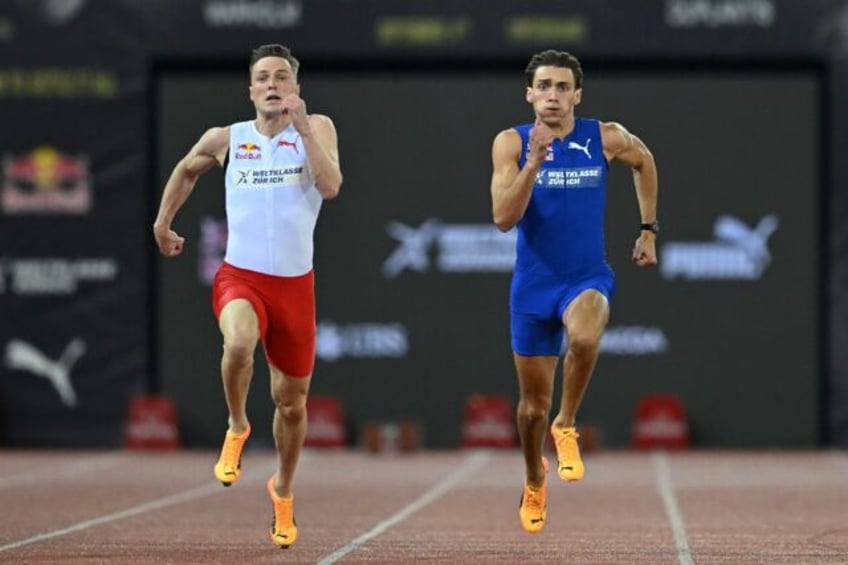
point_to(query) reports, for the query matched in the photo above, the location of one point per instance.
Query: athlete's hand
(296, 109)
(541, 138)
(170, 244)
(645, 251)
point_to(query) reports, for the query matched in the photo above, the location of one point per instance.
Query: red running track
(436, 507)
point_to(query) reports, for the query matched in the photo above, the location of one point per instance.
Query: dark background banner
(836, 387)
(381, 29)
(413, 278)
(73, 235)
(93, 116)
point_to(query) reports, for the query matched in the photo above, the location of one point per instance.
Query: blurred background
(744, 324)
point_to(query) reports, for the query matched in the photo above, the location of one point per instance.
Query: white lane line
(471, 464)
(66, 469)
(180, 497)
(672, 511)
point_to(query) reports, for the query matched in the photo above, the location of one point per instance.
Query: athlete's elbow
(329, 189)
(183, 171)
(646, 163)
(504, 222)
(329, 192)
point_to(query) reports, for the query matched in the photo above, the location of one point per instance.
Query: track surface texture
(703, 507)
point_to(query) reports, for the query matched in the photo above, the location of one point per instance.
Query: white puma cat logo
(583, 148)
(22, 356)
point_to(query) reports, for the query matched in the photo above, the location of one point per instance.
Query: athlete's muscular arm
(621, 145)
(321, 142)
(512, 188)
(209, 150)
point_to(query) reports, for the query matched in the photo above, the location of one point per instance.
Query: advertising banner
(412, 276)
(73, 259)
(836, 388)
(389, 30)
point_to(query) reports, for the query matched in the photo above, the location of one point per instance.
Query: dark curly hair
(554, 59)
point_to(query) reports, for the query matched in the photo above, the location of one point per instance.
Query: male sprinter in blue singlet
(549, 180)
(281, 165)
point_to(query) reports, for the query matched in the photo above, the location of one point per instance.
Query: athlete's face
(271, 80)
(553, 94)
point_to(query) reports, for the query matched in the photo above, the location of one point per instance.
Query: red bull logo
(46, 181)
(248, 150)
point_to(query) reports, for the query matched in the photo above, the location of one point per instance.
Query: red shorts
(285, 307)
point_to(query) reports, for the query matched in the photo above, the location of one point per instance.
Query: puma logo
(583, 148)
(292, 144)
(754, 242)
(738, 251)
(23, 356)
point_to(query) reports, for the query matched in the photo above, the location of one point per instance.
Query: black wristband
(651, 227)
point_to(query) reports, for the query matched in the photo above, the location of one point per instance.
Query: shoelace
(566, 441)
(533, 499)
(283, 514)
(231, 452)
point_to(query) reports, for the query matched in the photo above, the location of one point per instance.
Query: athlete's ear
(578, 96)
(528, 95)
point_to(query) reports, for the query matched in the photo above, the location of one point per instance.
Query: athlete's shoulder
(612, 128)
(508, 139)
(320, 118)
(513, 133)
(214, 139)
(218, 131)
(322, 123)
(614, 135)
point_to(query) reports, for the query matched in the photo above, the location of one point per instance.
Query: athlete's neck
(272, 125)
(562, 128)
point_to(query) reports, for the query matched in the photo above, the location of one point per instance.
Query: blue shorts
(537, 304)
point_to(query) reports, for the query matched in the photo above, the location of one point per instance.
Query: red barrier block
(391, 437)
(325, 423)
(489, 421)
(152, 424)
(661, 423)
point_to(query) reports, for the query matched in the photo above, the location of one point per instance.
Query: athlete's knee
(291, 409)
(583, 344)
(533, 408)
(290, 403)
(239, 352)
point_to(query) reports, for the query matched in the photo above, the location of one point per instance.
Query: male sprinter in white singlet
(549, 181)
(281, 166)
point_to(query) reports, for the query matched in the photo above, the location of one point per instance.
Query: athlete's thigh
(290, 339)
(535, 327)
(238, 320)
(237, 305)
(587, 314)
